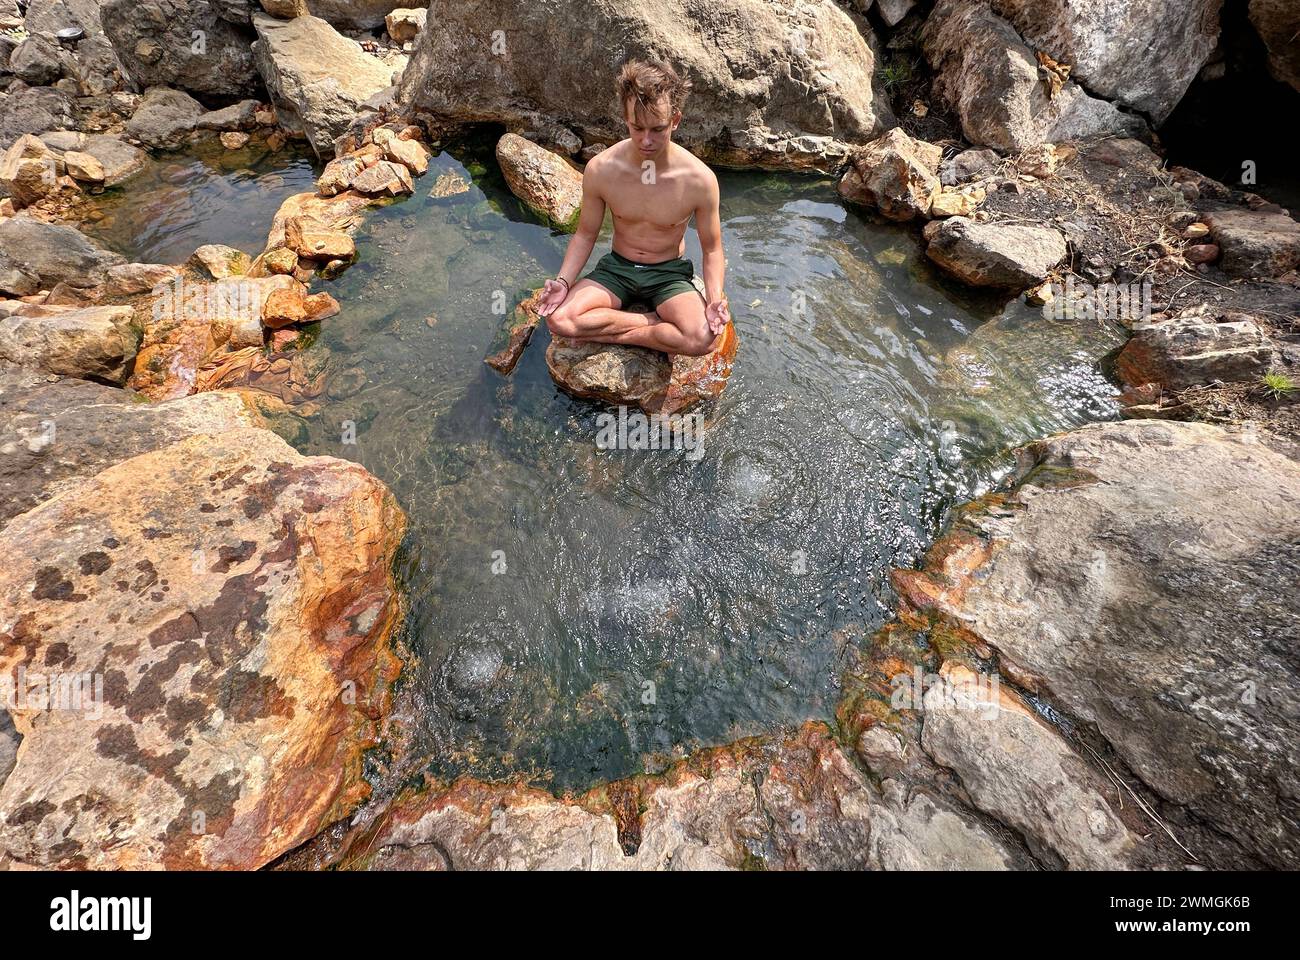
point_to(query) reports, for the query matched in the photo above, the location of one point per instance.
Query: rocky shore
(1094, 667)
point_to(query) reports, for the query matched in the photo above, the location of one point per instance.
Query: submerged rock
(774, 84)
(550, 187)
(1006, 255)
(515, 335)
(642, 378)
(235, 600)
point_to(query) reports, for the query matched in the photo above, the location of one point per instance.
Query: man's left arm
(708, 224)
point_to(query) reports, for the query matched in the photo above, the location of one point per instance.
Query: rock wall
(774, 83)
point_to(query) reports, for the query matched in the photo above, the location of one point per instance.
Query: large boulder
(55, 253)
(32, 110)
(1278, 25)
(95, 65)
(1010, 256)
(165, 118)
(793, 802)
(58, 431)
(550, 187)
(989, 77)
(232, 602)
(96, 343)
(774, 84)
(1142, 55)
(894, 174)
(636, 377)
(187, 44)
(1141, 580)
(1193, 347)
(317, 78)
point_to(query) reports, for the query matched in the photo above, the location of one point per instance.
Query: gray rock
(156, 41)
(988, 76)
(1194, 347)
(968, 165)
(317, 78)
(37, 61)
(1143, 56)
(1278, 24)
(53, 430)
(55, 253)
(1019, 770)
(1152, 594)
(165, 118)
(1255, 243)
(237, 116)
(774, 83)
(32, 110)
(793, 803)
(1009, 256)
(96, 343)
(15, 279)
(120, 160)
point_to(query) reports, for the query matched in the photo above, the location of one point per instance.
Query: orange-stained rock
(235, 600)
(641, 378)
(516, 335)
(792, 802)
(190, 325)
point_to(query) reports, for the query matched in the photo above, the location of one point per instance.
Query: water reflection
(583, 614)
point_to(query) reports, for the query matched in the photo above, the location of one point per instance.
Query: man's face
(651, 130)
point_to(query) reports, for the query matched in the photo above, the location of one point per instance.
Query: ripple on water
(583, 614)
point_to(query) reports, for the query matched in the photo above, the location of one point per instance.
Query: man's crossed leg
(592, 313)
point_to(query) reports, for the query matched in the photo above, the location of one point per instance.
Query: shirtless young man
(653, 187)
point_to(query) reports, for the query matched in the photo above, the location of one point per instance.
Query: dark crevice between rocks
(1235, 111)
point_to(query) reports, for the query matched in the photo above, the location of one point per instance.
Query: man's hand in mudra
(554, 294)
(718, 315)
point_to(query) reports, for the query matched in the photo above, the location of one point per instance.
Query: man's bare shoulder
(702, 177)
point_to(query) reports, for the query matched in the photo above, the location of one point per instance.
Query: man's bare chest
(663, 205)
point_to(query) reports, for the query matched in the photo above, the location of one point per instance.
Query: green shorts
(634, 282)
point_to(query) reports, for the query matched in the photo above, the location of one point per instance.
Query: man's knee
(699, 342)
(563, 322)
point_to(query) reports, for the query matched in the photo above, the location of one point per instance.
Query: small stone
(1194, 231)
(84, 167)
(234, 140)
(281, 261)
(1201, 253)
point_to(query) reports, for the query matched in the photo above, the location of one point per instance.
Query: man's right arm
(590, 220)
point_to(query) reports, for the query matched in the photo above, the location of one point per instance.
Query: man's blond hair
(646, 83)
